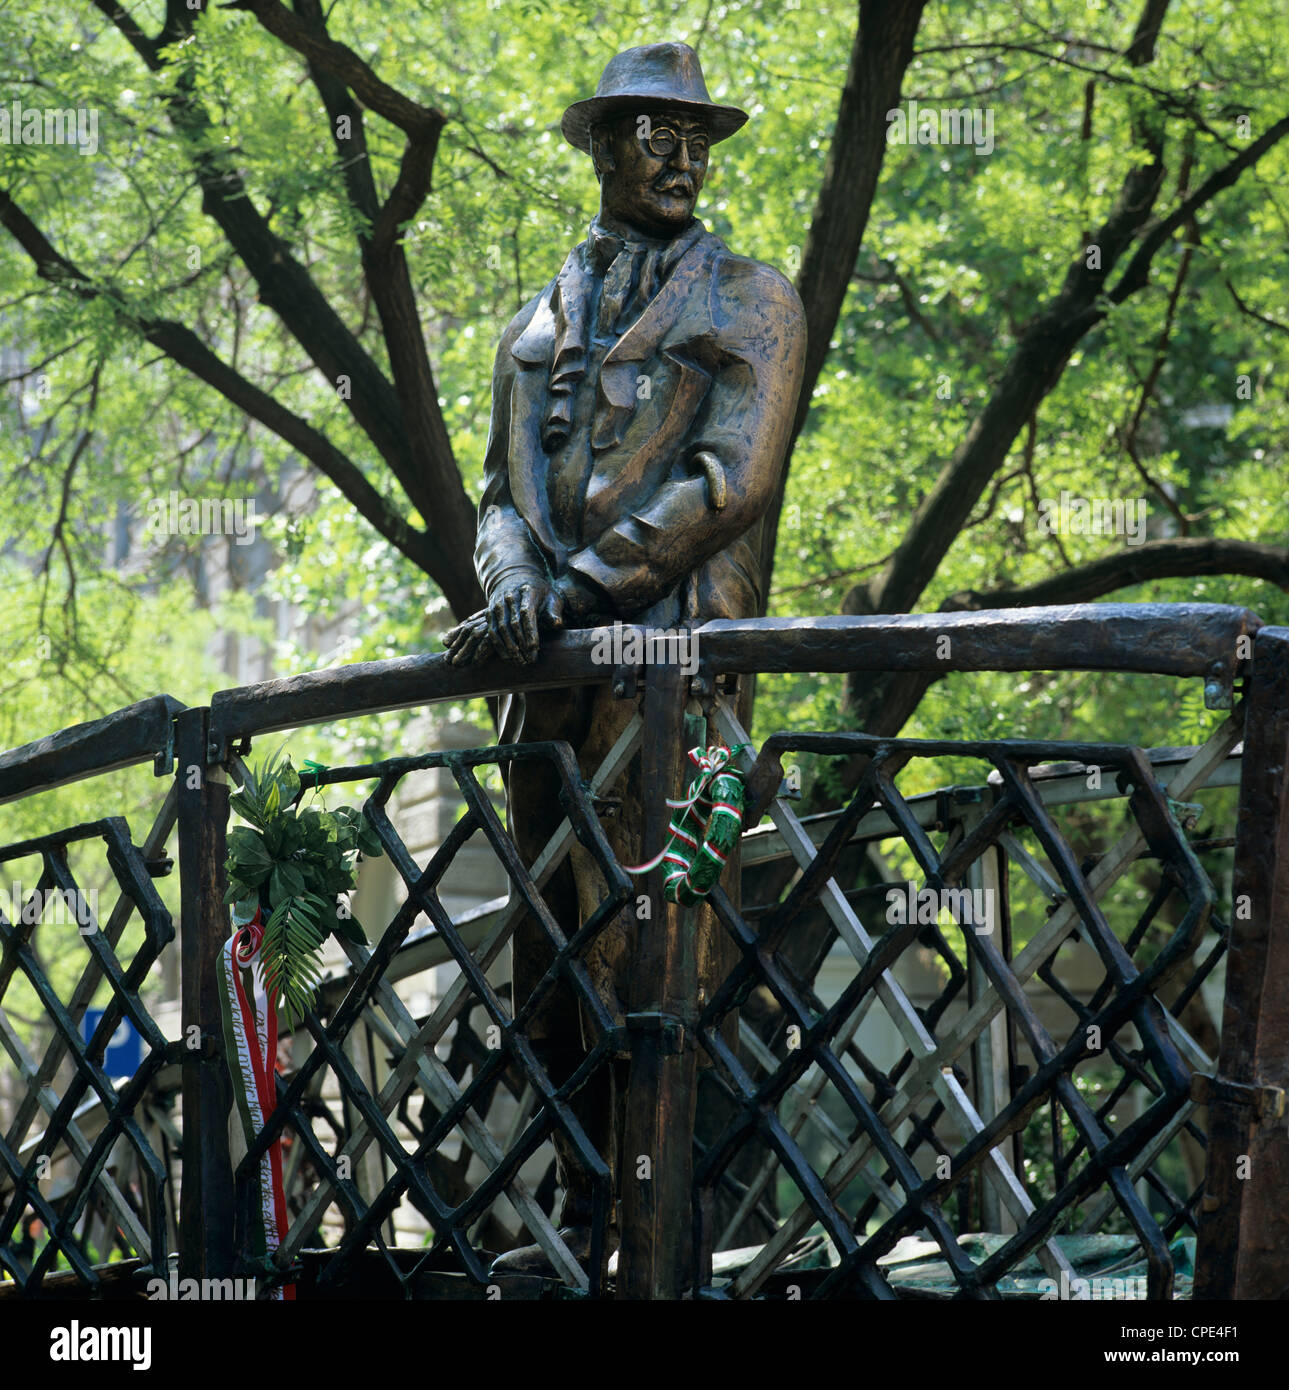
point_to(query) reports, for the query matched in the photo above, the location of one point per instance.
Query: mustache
(675, 183)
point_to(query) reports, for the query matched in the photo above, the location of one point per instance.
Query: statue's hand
(510, 624)
(514, 610)
(469, 641)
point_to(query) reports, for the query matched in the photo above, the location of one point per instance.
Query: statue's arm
(746, 424)
(504, 546)
(510, 564)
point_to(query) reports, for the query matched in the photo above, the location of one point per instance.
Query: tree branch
(1035, 367)
(1138, 268)
(313, 43)
(183, 347)
(882, 50)
(884, 707)
(389, 279)
(403, 419)
(1136, 564)
(285, 286)
(1253, 313)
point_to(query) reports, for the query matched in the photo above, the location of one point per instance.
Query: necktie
(619, 281)
(631, 278)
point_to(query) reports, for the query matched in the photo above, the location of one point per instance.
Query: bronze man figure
(641, 407)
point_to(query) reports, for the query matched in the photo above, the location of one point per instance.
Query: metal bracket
(948, 799)
(1219, 687)
(163, 760)
(1185, 813)
(1267, 1102)
(671, 1030)
(626, 682)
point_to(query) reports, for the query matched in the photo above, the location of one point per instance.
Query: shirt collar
(604, 245)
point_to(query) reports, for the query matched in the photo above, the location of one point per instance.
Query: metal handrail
(1177, 639)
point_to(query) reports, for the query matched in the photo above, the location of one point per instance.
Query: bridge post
(656, 1245)
(206, 1197)
(1244, 1231)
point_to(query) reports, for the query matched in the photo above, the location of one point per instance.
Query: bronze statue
(641, 407)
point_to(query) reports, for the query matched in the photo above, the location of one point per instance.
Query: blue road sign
(124, 1053)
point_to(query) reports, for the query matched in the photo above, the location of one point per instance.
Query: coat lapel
(533, 346)
(527, 460)
(617, 388)
(534, 351)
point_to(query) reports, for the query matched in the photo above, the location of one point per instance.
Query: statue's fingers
(454, 636)
(496, 612)
(478, 643)
(528, 617)
(515, 621)
(553, 610)
(473, 648)
(499, 626)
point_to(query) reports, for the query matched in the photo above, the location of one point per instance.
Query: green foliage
(960, 252)
(293, 866)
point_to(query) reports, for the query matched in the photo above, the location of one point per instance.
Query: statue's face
(652, 167)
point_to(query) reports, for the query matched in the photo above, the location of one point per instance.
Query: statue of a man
(641, 407)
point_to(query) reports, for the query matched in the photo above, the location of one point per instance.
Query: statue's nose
(680, 156)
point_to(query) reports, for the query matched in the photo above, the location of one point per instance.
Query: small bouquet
(291, 869)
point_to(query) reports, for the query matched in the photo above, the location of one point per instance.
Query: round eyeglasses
(663, 141)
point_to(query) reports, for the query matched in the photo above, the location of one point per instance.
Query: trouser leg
(534, 813)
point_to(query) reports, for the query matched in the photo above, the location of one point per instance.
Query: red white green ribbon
(706, 830)
(250, 1036)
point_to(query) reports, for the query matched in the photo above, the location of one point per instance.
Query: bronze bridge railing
(970, 1156)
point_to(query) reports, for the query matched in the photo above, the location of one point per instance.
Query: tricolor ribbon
(251, 1038)
(709, 762)
(686, 881)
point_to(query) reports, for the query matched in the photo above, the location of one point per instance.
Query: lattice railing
(912, 1132)
(1020, 1109)
(450, 1109)
(105, 1192)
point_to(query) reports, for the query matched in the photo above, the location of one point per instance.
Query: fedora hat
(657, 75)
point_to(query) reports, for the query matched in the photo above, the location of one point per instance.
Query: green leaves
(248, 848)
(296, 865)
(289, 955)
(286, 881)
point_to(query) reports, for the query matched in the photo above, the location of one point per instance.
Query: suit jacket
(721, 347)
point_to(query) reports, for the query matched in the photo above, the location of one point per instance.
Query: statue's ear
(602, 149)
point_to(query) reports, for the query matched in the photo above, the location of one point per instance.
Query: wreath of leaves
(294, 866)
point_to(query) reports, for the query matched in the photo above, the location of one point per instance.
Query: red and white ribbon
(710, 762)
(252, 1056)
